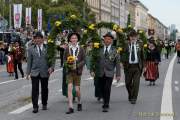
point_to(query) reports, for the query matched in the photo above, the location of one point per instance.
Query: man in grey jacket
(39, 71)
(108, 61)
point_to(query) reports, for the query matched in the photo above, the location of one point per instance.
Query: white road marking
(120, 84)
(51, 81)
(22, 109)
(166, 105)
(10, 81)
(58, 70)
(60, 90)
(26, 86)
(114, 82)
(176, 82)
(28, 106)
(176, 88)
(90, 78)
(29, 85)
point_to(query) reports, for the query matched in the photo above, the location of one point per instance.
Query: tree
(62, 8)
(129, 20)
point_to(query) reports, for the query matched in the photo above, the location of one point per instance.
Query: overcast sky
(167, 11)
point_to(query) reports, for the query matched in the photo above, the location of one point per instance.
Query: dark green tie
(40, 52)
(106, 52)
(133, 53)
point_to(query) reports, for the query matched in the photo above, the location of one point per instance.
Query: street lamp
(10, 14)
(84, 12)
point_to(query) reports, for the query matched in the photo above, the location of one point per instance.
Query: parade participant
(1, 54)
(39, 71)
(97, 91)
(133, 65)
(167, 48)
(18, 55)
(151, 72)
(74, 58)
(62, 47)
(178, 50)
(108, 61)
(10, 63)
(64, 80)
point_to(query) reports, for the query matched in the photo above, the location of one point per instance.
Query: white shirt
(136, 57)
(109, 47)
(41, 47)
(74, 48)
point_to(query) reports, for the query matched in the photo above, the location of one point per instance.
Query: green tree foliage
(60, 8)
(129, 20)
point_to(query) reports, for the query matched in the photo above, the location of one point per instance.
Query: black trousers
(19, 65)
(35, 90)
(105, 84)
(132, 81)
(97, 85)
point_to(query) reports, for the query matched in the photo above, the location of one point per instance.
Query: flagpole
(10, 14)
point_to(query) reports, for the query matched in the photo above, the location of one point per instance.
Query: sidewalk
(2, 68)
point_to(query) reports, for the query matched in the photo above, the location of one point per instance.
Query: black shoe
(74, 99)
(44, 107)
(133, 102)
(129, 98)
(70, 111)
(105, 106)
(99, 99)
(105, 110)
(35, 110)
(79, 107)
(150, 84)
(153, 83)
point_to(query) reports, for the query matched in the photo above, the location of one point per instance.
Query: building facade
(141, 16)
(105, 10)
(110, 10)
(124, 11)
(115, 11)
(132, 8)
(161, 30)
(151, 20)
(95, 7)
(156, 28)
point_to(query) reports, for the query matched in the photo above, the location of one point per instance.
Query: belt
(133, 65)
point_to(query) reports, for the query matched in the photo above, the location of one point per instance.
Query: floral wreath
(89, 31)
(72, 23)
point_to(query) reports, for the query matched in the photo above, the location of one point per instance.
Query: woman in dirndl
(151, 73)
(10, 63)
